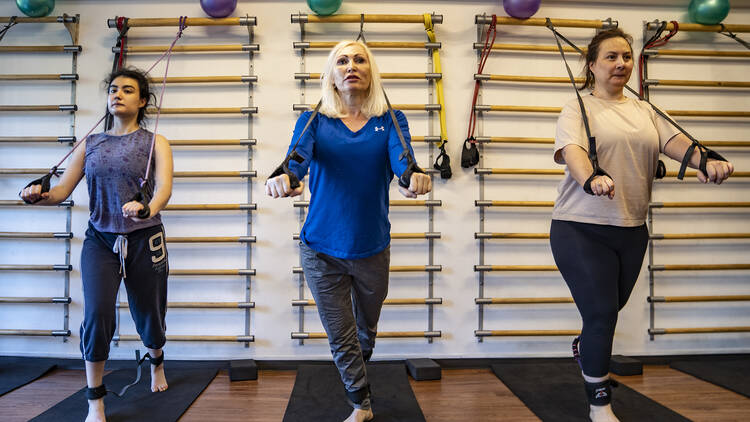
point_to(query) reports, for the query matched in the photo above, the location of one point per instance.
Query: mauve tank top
(113, 166)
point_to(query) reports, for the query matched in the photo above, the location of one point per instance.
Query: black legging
(600, 264)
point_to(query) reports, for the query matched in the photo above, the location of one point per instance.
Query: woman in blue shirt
(352, 150)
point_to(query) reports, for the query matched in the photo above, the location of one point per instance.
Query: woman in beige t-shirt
(599, 239)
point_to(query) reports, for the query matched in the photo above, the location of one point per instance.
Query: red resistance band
(656, 41)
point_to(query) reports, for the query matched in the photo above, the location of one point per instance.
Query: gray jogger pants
(349, 294)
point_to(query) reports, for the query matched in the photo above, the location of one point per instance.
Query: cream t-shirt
(629, 136)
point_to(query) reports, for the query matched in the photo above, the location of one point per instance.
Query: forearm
(160, 199)
(678, 146)
(578, 163)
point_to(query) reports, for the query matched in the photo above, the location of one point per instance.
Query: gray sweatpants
(349, 294)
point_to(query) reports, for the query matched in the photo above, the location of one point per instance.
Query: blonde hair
(332, 105)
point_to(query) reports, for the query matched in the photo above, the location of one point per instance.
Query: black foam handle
(470, 155)
(284, 169)
(443, 163)
(597, 172)
(405, 178)
(144, 198)
(707, 153)
(44, 181)
(661, 170)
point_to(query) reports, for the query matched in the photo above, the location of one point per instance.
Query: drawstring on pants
(121, 248)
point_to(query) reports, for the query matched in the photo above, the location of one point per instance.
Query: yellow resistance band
(437, 69)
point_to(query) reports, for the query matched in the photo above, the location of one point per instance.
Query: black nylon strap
(732, 35)
(96, 393)
(44, 181)
(411, 165)
(11, 23)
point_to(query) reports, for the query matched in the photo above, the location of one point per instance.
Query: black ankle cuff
(156, 361)
(96, 393)
(366, 355)
(598, 393)
(358, 396)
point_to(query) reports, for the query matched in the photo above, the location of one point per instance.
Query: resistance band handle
(443, 163)
(44, 181)
(143, 198)
(661, 170)
(284, 169)
(597, 172)
(469, 153)
(405, 180)
(705, 152)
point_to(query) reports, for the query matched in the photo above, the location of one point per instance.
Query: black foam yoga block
(241, 370)
(623, 365)
(423, 369)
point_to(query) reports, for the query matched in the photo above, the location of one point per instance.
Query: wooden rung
(215, 174)
(40, 77)
(44, 19)
(560, 23)
(699, 267)
(242, 272)
(62, 107)
(745, 144)
(201, 305)
(699, 204)
(19, 203)
(696, 27)
(241, 339)
(210, 207)
(514, 140)
(699, 330)
(212, 142)
(696, 53)
(681, 236)
(529, 79)
(40, 49)
(381, 334)
(371, 44)
(61, 139)
(527, 47)
(681, 82)
(518, 109)
(676, 299)
(525, 333)
(214, 239)
(34, 300)
(13, 267)
(216, 48)
(393, 203)
(520, 300)
(511, 235)
(534, 204)
(396, 268)
(414, 301)
(408, 107)
(54, 333)
(205, 110)
(36, 235)
(204, 79)
(515, 268)
(559, 172)
(351, 18)
(152, 22)
(29, 171)
(383, 75)
(708, 113)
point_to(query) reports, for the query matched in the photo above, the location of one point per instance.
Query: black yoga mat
(318, 395)
(17, 372)
(554, 392)
(139, 403)
(732, 374)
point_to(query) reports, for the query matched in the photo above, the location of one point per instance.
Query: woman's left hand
(718, 171)
(130, 210)
(419, 184)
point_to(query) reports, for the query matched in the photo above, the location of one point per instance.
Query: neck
(353, 103)
(123, 126)
(608, 93)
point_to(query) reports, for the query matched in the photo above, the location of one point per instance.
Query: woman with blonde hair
(353, 149)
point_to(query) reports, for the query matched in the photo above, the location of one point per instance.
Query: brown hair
(593, 51)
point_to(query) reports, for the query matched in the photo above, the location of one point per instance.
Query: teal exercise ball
(708, 12)
(36, 8)
(324, 7)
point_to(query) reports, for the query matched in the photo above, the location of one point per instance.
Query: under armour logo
(377, 129)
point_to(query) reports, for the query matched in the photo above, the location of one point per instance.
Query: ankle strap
(96, 393)
(598, 393)
(155, 361)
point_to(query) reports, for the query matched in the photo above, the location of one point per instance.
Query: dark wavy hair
(593, 51)
(143, 87)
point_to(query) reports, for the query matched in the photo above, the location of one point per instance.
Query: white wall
(275, 253)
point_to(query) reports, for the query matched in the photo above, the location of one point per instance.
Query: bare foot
(360, 415)
(158, 380)
(602, 414)
(96, 411)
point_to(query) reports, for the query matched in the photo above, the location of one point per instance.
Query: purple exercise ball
(218, 8)
(521, 9)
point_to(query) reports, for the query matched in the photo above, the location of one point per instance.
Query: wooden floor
(461, 395)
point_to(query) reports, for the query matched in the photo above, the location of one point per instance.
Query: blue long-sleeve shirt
(349, 177)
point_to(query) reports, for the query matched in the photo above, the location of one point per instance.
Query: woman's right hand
(33, 194)
(603, 185)
(279, 187)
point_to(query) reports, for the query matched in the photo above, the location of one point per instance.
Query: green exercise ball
(324, 7)
(708, 12)
(36, 8)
